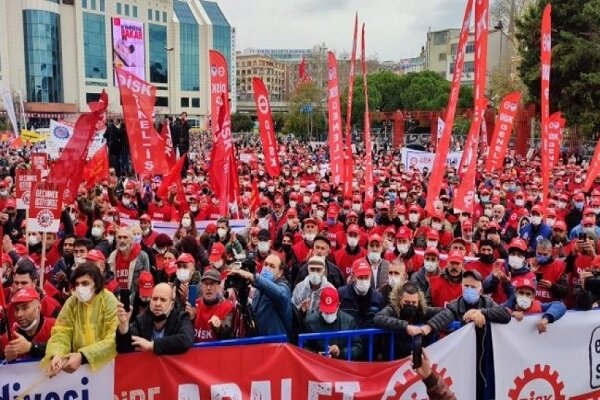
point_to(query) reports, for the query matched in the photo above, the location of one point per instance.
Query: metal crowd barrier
(348, 335)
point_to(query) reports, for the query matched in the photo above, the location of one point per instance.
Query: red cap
(518, 244)
(145, 284)
(216, 252)
(171, 268)
(145, 217)
(431, 250)
(95, 255)
(353, 228)
(11, 203)
(467, 224)
(404, 233)
(538, 209)
(375, 238)
(25, 295)
(522, 281)
(329, 301)
(456, 256)
(560, 225)
(361, 267)
(292, 212)
(433, 235)
(211, 228)
(188, 258)
(370, 212)
(579, 196)
(352, 214)
(588, 221)
(550, 212)
(309, 220)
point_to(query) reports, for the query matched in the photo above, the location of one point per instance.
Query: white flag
(8, 105)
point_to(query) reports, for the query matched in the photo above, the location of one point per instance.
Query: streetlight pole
(170, 75)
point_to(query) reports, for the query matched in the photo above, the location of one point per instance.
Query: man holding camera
(271, 304)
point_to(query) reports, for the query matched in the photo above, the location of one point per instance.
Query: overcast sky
(395, 29)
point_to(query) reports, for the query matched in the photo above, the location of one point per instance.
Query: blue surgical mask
(542, 259)
(471, 295)
(579, 205)
(267, 274)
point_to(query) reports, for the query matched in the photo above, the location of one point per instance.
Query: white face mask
(394, 280)
(310, 237)
(84, 293)
(79, 260)
(519, 202)
(488, 212)
(3, 193)
(97, 232)
(218, 264)
(306, 199)
(515, 262)
(550, 222)
(264, 247)
(536, 220)
(432, 244)
(146, 231)
(320, 214)
(402, 218)
(436, 226)
(414, 218)
(314, 278)
(186, 222)
(183, 275)
(374, 256)
(430, 266)
(222, 232)
(108, 218)
(362, 286)
(352, 242)
(403, 248)
(378, 204)
(356, 207)
(369, 222)
(126, 202)
(562, 204)
(33, 240)
(193, 208)
(329, 318)
(110, 239)
(524, 302)
(293, 203)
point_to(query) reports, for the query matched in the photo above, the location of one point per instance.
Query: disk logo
(537, 383)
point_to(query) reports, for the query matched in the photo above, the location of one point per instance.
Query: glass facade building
(159, 61)
(43, 67)
(94, 45)
(189, 35)
(221, 31)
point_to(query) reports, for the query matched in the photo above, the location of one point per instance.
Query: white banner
(236, 225)
(27, 381)
(9, 107)
(440, 129)
(61, 133)
(424, 159)
(562, 363)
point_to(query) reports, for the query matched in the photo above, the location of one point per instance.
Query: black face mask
(408, 312)
(486, 258)
(160, 317)
(286, 247)
(144, 303)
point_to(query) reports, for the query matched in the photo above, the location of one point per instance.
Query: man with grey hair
(550, 274)
(128, 261)
(308, 291)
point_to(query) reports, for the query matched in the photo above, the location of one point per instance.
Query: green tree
(279, 119)
(306, 118)
(575, 72)
(241, 122)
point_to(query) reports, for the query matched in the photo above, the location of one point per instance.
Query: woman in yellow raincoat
(85, 329)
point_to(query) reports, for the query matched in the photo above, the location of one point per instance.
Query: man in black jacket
(404, 315)
(164, 330)
(470, 307)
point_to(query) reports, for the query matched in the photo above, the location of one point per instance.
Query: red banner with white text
(349, 159)
(146, 147)
(285, 372)
(502, 131)
(266, 128)
(439, 163)
(369, 190)
(594, 169)
(170, 153)
(546, 62)
(556, 125)
(336, 152)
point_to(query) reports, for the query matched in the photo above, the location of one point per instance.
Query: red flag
(439, 163)
(556, 124)
(173, 177)
(502, 131)
(146, 148)
(66, 171)
(301, 70)
(97, 168)
(336, 152)
(472, 143)
(349, 165)
(170, 155)
(593, 170)
(223, 168)
(369, 195)
(265, 123)
(546, 62)
(481, 42)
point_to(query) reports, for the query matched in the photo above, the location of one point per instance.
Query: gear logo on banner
(538, 383)
(45, 218)
(406, 384)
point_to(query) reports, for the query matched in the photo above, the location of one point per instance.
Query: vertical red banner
(369, 194)
(546, 62)
(439, 163)
(593, 170)
(349, 157)
(481, 43)
(336, 152)
(223, 168)
(146, 147)
(265, 125)
(556, 124)
(170, 155)
(502, 131)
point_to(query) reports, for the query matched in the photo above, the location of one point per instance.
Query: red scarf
(122, 265)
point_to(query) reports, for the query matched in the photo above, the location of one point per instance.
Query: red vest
(300, 250)
(443, 291)
(160, 213)
(41, 337)
(551, 272)
(344, 260)
(203, 330)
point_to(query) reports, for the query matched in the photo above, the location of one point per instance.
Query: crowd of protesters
(308, 258)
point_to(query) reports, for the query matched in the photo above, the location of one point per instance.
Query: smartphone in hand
(124, 298)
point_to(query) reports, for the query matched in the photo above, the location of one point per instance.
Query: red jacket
(164, 213)
(301, 250)
(443, 291)
(41, 337)
(344, 260)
